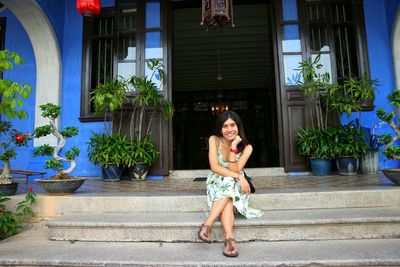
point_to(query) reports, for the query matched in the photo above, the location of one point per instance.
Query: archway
(47, 55)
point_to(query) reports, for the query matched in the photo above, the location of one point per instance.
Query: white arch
(396, 48)
(47, 55)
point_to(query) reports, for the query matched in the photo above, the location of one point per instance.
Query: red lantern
(88, 8)
(217, 13)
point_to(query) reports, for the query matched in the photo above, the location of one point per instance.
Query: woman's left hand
(244, 184)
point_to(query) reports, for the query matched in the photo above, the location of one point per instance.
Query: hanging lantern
(88, 8)
(216, 13)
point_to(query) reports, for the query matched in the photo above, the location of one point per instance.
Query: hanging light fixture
(219, 106)
(216, 13)
(88, 8)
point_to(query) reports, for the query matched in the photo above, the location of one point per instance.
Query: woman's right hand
(244, 184)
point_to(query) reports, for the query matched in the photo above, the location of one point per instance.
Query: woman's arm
(213, 159)
(238, 165)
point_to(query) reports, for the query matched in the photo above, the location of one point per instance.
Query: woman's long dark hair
(223, 117)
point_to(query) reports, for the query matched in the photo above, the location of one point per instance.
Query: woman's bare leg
(227, 221)
(216, 209)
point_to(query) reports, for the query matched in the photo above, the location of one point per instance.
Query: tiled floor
(262, 184)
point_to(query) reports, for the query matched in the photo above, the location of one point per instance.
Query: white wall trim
(396, 49)
(47, 56)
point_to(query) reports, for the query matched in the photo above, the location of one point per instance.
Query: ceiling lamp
(220, 107)
(216, 13)
(88, 8)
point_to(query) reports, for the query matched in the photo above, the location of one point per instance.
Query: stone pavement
(262, 184)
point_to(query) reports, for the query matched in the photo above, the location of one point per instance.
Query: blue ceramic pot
(347, 165)
(321, 167)
(112, 172)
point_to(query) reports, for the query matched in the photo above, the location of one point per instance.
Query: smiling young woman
(227, 189)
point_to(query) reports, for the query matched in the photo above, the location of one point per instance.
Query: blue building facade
(53, 53)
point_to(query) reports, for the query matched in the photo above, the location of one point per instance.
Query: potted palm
(327, 97)
(318, 145)
(392, 149)
(62, 182)
(349, 146)
(145, 101)
(109, 149)
(11, 102)
(315, 141)
(112, 152)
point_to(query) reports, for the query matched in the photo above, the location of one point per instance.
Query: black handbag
(248, 179)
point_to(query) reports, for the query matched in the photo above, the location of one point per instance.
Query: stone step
(252, 172)
(283, 225)
(97, 203)
(32, 248)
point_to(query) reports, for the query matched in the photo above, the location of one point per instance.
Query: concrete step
(32, 248)
(97, 203)
(252, 172)
(316, 224)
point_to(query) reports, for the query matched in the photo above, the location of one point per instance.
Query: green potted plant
(392, 149)
(62, 182)
(11, 102)
(318, 145)
(327, 97)
(146, 100)
(349, 146)
(361, 91)
(111, 152)
(109, 149)
(315, 141)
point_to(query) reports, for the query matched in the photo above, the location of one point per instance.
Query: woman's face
(229, 129)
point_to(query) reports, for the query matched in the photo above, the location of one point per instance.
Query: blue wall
(381, 64)
(71, 84)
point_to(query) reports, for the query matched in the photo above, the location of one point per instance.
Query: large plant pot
(393, 175)
(369, 162)
(9, 189)
(112, 172)
(60, 187)
(321, 167)
(347, 165)
(139, 171)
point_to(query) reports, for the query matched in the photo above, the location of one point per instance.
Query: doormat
(199, 179)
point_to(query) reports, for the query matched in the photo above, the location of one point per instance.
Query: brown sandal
(206, 234)
(231, 248)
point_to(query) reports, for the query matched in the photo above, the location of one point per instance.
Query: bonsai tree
(146, 97)
(12, 95)
(52, 112)
(392, 149)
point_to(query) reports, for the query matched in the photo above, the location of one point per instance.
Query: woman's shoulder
(213, 138)
(248, 147)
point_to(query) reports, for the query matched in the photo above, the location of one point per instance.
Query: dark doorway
(229, 68)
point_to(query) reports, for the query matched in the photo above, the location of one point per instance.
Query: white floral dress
(220, 187)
